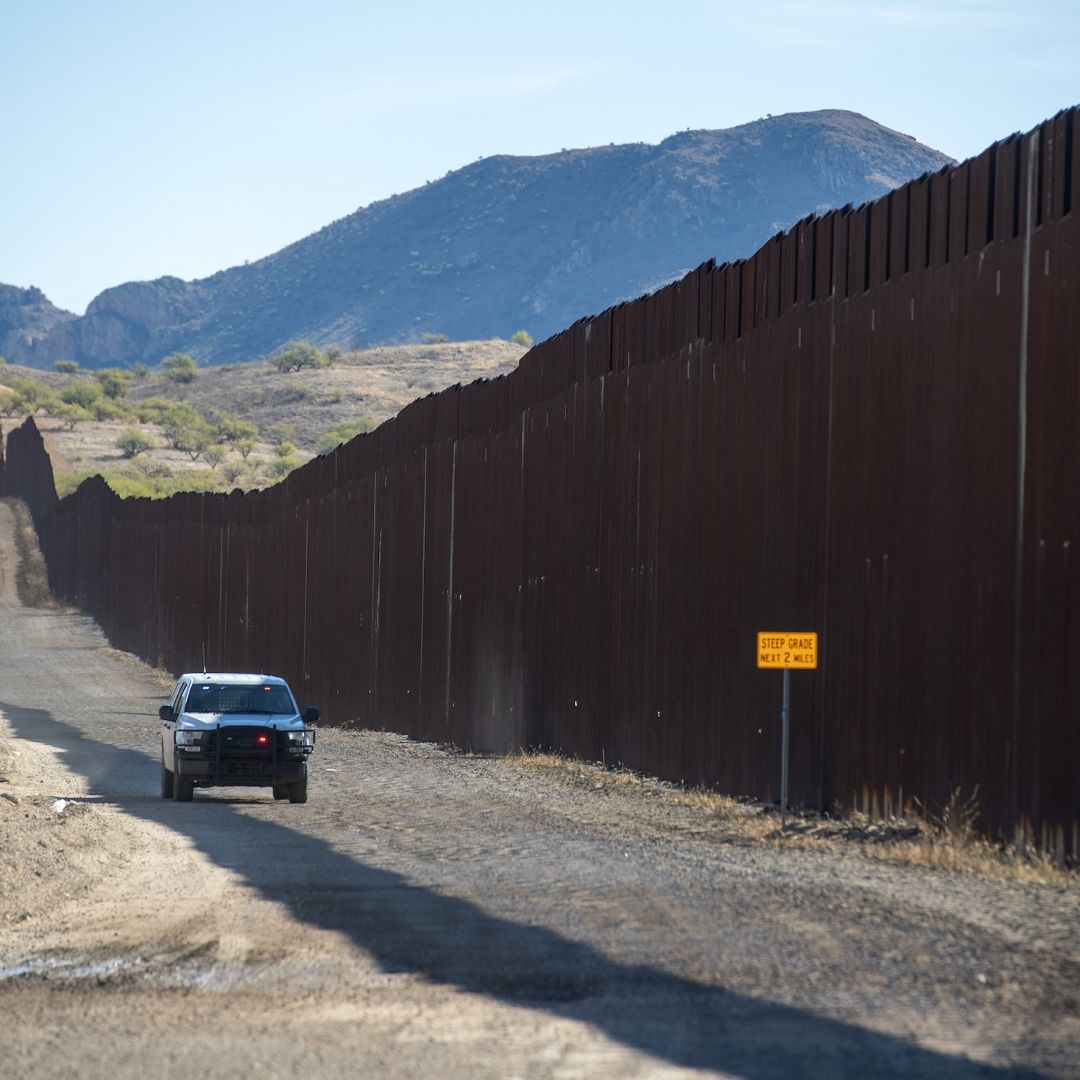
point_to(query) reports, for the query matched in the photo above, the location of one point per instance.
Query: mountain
(504, 244)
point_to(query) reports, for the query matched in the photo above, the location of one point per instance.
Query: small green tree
(184, 428)
(36, 397)
(342, 433)
(244, 447)
(214, 455)
(72, 415)
(297, 355)
(180, 367)
(10, 402)
(83, 393)
(67, 367)
(133, 442)
(107, 409)
(114, 381)
(523, 338)
(281, 466)
(232, 471)
(231, 429)
(280, 432)
(332, 356)
(140, 370)
(153, 410)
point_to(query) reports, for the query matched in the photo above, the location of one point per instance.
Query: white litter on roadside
(61, 805)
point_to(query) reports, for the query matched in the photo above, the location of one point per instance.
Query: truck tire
(281, 791)
(183, 788)
(166, 782)
(298, 791)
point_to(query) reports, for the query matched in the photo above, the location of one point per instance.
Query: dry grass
(31, 578)
(947, 839)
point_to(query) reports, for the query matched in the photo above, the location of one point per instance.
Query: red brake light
(262, 740)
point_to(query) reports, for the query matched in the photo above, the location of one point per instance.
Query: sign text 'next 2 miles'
(782, 649)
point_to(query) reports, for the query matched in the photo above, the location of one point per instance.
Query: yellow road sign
(784, 649)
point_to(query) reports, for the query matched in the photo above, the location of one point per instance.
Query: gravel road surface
(431, 913)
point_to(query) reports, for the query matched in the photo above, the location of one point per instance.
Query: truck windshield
(225, 698)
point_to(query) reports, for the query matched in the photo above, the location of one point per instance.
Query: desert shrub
(133, 481)
(185, 429)
(522, 337)
(72, 414)
(107, 409)
(114, 381)
(290, 395)
(244, 447)
(335, 397)
(36, 397)
(155, 470)
(228, 428)
(140, 370)
(282, 465)
(434, 339)
(214, 455)
(180, 367)
(152, 410)
(297, 355)
(284, 449)
(342, 433)
(332, 355)
(83, 393)
(280, 432)
(10, 402)
(232, 471)
(3, 360)
(67, 367)
(132, 443)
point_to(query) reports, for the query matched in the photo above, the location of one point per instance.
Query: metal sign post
(781, 649)
(785, 728)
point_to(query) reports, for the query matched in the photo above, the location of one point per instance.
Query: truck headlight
(189, 740)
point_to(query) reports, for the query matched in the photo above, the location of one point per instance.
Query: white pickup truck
(229, 729)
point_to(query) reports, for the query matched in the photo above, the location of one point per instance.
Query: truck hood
(199, 721)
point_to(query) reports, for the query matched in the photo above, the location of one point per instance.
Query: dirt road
(430, 913)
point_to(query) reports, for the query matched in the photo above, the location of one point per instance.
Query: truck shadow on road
(407, 927)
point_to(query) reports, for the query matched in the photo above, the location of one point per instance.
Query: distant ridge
(504, 244)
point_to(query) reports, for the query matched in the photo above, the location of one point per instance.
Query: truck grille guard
(234, 751)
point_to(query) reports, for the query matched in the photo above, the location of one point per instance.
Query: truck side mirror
(166, 713)
(311, 715)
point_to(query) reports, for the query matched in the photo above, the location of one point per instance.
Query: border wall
(868, 429)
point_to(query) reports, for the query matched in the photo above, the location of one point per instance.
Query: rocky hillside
(504, 244)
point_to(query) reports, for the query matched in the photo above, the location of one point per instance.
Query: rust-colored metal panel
(918, 231)
(821, 248)
(940, 200)
(979, 206)
(956, 239)
(1007, 189)
(879, 224)
(788, 251)
(856, 271)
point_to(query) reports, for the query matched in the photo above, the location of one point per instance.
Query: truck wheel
(166, 782)
(281, 791)
(183, 788)
(298, 791)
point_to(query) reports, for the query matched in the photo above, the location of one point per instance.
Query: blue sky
(143, 139)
